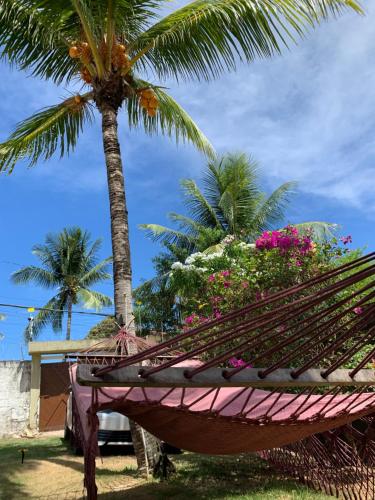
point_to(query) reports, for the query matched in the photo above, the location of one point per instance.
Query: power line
(17, 306)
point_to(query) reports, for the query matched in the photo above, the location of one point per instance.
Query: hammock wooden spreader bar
(215, 377)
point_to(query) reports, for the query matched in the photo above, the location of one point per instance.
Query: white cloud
(307, 115)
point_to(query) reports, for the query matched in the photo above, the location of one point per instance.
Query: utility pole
(31, 322)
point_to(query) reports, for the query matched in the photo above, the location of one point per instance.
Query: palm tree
(70, 266)
(231, 203)
(113, 47)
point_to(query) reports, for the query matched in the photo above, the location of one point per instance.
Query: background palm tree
(112, 46)
(70, 266)
(231, 203)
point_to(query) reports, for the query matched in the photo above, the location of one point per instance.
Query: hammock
(209, 407)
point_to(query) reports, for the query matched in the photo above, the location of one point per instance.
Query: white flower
(177, 265)
(212, 256)
(228, 239)
(193, 257)
(246, 246)
(201, 269)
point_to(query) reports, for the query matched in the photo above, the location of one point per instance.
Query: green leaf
(35, 274)
(97, 273)
(198, 205)
(35, 35)
(39, 136)
(271, 210)
(94, 300)
(50, 314)
(169, 236)
(171, 120)
(206, 37)
(322, 230)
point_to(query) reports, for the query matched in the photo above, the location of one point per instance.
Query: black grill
(114, 436)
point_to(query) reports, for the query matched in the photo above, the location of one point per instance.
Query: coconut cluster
(119, 58)
(81, 51)
(149, 101)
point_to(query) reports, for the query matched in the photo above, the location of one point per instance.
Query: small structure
(48, 351)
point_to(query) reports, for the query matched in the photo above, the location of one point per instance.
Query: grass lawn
(50, 470)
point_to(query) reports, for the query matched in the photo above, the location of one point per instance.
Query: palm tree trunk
(143, 442)
(69, 322)
(122, 272)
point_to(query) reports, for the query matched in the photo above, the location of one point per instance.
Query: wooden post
(35, 392)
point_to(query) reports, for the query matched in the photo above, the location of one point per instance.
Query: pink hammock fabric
(225, 420)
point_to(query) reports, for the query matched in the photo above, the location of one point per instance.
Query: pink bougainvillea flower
(226, 284)
(225, 273)
(245, 284)
(346, 239)
(238, 363)
(358, 310)
(211, 277)
(190, 319)
(216, 299)
(217, 314)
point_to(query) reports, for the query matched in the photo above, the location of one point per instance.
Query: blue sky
(306, 116)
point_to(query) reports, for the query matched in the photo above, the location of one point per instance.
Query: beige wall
(15, 379)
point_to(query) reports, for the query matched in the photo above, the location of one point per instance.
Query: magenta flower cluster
(285, 239)
(238, 363)
(346, 239)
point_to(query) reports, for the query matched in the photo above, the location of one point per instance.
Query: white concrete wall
(15, 378)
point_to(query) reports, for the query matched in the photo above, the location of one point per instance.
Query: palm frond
(39, 136)
(231, 188)
(97, 273)
(133, 17)
(93, 300)
(167, 235)
(35, 35)
(204, 38)
(93, 31)
(272, 210)
(35, 274)
(186, 223)
(322, 231)
(197, 205)
(44, 317)
(171, 120)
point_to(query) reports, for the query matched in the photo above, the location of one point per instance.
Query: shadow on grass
(207, 477)
(11, 468)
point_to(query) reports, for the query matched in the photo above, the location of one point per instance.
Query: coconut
(74, 52)
(148, 93)
(144, 102)
(86, 55)
(85, 75)
(151, 112)
(154, 102)
(77, 99)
